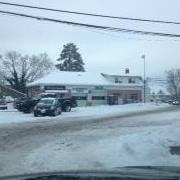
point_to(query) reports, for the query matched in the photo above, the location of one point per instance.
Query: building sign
(79, 90)
(99, 87)
(54, 87)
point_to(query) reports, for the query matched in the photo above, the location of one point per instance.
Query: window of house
(98, 97)
(134, 96)
(117, 80)
(131, 80)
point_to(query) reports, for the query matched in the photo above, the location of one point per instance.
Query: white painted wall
(123, 79)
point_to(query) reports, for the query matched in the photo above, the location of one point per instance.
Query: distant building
(92, 88)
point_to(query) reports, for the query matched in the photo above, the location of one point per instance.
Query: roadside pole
(144, 78)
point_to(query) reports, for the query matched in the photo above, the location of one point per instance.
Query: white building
(92, 88)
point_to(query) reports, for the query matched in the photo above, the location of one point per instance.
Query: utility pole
(144, 58)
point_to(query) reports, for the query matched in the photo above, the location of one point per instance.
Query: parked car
(3, 104)
(48, 106)
(67, 101)
(176, 102)
(169, 101)
(27, 105)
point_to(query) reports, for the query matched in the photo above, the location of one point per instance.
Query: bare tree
(173, 82)
(18, 69)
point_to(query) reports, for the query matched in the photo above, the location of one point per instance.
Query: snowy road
(139, 139)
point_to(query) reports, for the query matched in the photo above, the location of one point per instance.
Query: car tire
(67, 108)
(60, 111)
(55, 113)
(35, 114)
(31, 110)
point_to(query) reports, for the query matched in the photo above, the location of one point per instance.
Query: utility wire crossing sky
(110, 35)
(113, 29)
(90, 14)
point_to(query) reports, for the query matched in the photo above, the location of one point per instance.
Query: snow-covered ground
(110, 143)
(13, 116)
(112, 148)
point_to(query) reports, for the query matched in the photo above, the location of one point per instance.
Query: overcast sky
(102, 52)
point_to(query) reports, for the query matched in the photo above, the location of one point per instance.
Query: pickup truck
(18, 102)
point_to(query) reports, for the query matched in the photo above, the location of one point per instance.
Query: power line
(107, 28)
(90, 14)
(111, 34)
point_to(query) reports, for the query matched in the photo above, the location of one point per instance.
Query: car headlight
(52, 107)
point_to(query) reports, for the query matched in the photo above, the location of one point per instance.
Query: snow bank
(13, 116)
(106, 110)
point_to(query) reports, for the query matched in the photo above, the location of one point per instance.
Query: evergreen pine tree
(70, 59)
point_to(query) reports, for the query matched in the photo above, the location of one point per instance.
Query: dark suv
(48, 106)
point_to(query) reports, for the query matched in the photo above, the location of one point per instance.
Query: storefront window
(98, 97)
(131, 80)
(81, 98)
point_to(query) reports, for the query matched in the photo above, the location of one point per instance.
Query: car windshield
(89, 85)
(47, 101)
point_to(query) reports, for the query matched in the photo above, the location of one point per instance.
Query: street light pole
(144, 58)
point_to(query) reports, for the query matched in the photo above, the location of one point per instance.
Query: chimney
(127, 71)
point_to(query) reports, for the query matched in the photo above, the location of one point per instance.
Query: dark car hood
(135, 172)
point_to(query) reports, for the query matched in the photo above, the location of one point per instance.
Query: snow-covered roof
(73, 78)
(122, 75)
